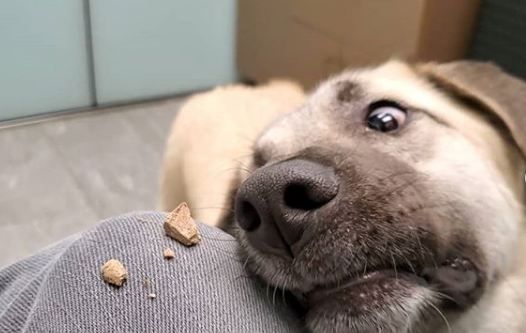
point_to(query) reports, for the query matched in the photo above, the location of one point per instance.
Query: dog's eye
(385, 116)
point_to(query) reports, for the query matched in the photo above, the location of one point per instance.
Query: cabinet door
(43, 57)
(148, 48)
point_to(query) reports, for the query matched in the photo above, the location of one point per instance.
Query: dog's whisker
(238, 168)
(441, 314)
(283, 299)
(241, 157)
(397, 174)
(394, 265)
(244, 136)
(231, 255)
(420, 247)
(274, 296)
(520, 297)
(219, 239)
(246, 263)
(443, 296)
(408, 262)
(365, 267)
(399, 188)
(213, 207)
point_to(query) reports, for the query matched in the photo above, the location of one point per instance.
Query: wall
(501, 35)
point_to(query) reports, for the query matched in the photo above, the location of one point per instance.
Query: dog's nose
(273, 203)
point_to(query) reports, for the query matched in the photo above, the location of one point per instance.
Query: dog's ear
(487, 87)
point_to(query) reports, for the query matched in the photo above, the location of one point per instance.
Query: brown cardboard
(284, 48)
(309, 39)
(447, 29)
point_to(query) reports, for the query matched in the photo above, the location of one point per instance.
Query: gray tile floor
(61, 176)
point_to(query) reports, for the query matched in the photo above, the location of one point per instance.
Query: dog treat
(146, 283)
(152, 295)
(113, 272)
(168, 253)
(180, 226)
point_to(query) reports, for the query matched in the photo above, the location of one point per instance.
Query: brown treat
(180, 226)
(168, 253)
(146, 283)
(114, 273)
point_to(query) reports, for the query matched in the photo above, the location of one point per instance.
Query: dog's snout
(274, 203)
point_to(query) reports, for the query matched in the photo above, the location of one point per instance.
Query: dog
(391, 200)
(211, 141)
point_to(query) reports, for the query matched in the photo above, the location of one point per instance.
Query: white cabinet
(146, 48)
(43, 57)
(141, 49)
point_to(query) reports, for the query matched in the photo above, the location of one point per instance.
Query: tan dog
(211, 143)
(391, 200)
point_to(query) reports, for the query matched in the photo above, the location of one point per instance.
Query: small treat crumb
(168, 253)
(114, 273)
(152, 295)
(146, 283)
(180, 226)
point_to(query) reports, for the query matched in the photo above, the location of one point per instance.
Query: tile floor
(63, 175)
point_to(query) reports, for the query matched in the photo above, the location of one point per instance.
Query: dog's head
(392, 196)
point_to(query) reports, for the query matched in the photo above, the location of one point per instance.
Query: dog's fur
(211, 142)
(448, 186)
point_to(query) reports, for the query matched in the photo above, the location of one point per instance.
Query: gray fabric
(203, 289)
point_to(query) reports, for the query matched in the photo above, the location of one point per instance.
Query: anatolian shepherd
(389, 200)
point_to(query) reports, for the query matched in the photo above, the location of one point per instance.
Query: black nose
(272, 205)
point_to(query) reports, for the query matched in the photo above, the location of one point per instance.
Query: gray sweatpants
(203, 289)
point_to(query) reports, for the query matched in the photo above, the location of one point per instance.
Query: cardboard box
(308, 40)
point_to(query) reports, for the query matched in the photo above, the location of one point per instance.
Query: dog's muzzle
(274, 205)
